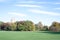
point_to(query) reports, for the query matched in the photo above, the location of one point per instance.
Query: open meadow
(26, 35)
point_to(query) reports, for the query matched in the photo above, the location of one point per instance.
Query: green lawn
(10, 35)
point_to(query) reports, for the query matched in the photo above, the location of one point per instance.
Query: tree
(1, 23)
(45, 28)
(39, 26)
(25, 26)
(30, 25)
(36, 27)
(55, 27)
(20, 25)
(13, 26)
(5, 26)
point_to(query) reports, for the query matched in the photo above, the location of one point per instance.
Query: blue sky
(45, 11)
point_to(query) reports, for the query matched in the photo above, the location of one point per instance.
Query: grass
(13, 35)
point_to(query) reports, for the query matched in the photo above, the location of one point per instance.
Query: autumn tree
(39, 26)
(55, 27)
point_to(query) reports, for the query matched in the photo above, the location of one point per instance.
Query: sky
(45, 11)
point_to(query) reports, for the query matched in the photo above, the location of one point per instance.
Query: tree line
(29, 26)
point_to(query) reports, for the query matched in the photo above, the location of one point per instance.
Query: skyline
(45, 11)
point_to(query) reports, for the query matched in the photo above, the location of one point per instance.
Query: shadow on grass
(50, 32)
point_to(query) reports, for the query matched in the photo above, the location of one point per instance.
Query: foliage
(55, 27)
(13, 26)
(28, 26)
(45, 28)
(25, 26)
(39, 26)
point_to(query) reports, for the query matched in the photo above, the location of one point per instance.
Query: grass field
(10, 35)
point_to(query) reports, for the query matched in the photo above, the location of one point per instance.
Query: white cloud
(34, 2)
(44, 12)
(17, 14)
(37, 2)
(3, 0)
(0, 17)
(57, 8)
(26, 2)
(43, 2)
(57, 3)
(25, 5)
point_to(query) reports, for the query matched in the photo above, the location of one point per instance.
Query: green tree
(45, 28)
(30, 25)
(25, 25)
(13, 26)
(1, 23)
